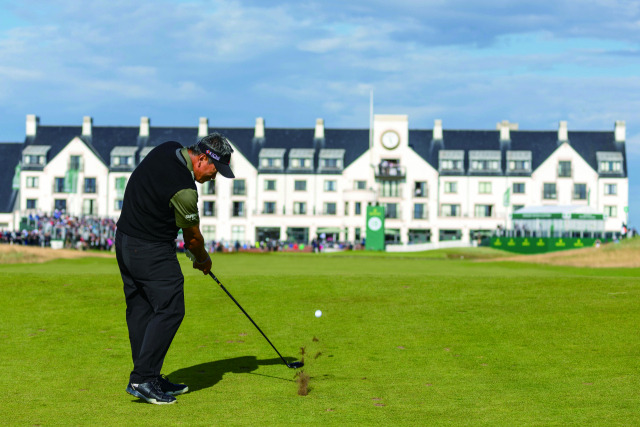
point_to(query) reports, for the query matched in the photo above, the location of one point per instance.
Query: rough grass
(402, 341)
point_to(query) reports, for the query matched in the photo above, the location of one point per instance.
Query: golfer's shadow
(208, 374)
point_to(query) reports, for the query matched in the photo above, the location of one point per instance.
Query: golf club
(293, 365)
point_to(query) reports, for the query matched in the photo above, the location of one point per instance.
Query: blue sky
(471, 64)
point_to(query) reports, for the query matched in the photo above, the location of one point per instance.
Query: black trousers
(154, 292)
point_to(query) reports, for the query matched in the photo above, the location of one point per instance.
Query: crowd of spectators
(70, 231)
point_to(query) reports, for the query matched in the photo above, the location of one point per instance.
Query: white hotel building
(294, 184)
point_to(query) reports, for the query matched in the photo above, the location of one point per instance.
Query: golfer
(160, 198)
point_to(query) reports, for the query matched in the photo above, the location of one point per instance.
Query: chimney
(259, 132)
(563, 133)
(144, 127)
(87, 124)
(32, 124)
(319, 129)
(437, 130)
(505, 128)
(203, 127)
(620, 131)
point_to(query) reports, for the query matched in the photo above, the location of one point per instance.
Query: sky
(469, 63)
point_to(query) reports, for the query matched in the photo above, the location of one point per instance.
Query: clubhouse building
(294, 184)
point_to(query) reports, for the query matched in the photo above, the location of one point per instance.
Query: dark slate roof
(10, 155)
(355, 142)
(541, 144)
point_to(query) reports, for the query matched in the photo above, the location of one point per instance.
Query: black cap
(221, 161)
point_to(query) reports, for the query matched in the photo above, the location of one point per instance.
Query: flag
(506, 198)
(16, 177)
(71, 181)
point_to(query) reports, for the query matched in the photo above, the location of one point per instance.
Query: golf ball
(318, 313)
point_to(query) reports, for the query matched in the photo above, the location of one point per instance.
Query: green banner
(16, 177)
(71, 181)
(375, 229)
(537, 245)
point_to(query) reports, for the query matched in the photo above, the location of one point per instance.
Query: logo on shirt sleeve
(191, 217)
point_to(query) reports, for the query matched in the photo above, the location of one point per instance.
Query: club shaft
(248, 317)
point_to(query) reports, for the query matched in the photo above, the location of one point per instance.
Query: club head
(295, 365)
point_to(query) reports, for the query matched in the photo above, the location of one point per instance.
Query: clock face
(390, 139)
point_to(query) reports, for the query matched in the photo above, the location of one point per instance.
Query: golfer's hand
(204, 266)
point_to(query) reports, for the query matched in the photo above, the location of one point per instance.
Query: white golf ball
(318, 313)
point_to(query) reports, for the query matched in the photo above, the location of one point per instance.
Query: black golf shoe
(151, 392)
(171, 388)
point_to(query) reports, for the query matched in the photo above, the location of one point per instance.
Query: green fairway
(407, 339)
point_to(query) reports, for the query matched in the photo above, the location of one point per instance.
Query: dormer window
(122, 157)
(301, 159)
(35, 155)
(272, 159)
(609, 162)
(451, 161)
(331, 160)
(519, 162)
(484, 161)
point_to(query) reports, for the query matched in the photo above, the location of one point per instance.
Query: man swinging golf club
(160, 198)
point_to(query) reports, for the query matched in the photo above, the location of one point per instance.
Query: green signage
(375, 229)
(536, 245)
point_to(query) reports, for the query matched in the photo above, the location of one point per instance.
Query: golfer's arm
(194, 241)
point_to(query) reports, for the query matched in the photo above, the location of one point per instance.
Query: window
(329, 208)
(209, 208)
(89, 207)
(611, 211)
(420, 189)
(358, 207)
(237, 233)
(390, 189)
(519, 165)
(271, 162)
(270, 185)
(238, 209)
(269, 208)
(239, 188)
(346, 208)
(33, 160)
(331, 163)
(299, 208)
(360, 185)
(484, 187)
(329, 185)
(75, 163)
(549, 191)
(610, 166)
(358, 235)
(117, 205)
(580, 191)
(208, 232)
(90, 185)
(483, 211)
(419, 211)
(300, 185)
(122, 161)
(564, 169)
(450, 187)
(451, 164)
(301, 163)
(518, 188)
(209, 187)
(32, 203)
(391, 210)
(33, 182)
(58, 185)
(60, 204)
(516, 207)
(610, 189)
(450, 210)
(485, 165)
